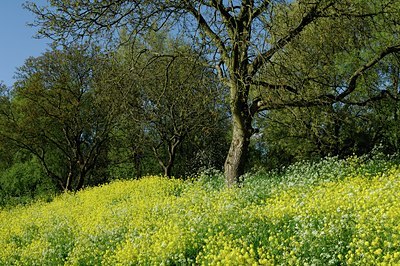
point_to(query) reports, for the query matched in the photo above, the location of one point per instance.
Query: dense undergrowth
(335, 212)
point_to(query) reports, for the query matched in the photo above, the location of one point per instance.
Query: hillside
(329, 213)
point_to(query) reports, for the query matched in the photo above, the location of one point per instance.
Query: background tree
(54, 114)
(21, 176)
(172, 97)
(247, 36)
(355, 124)
(6, 149)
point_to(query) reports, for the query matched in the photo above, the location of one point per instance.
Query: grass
(334, 212)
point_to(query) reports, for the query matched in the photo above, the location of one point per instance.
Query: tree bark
(168, 170)
(171, 153)
(237, 155)
(137, 159)
(241, 132)
(81, 179)
(169, 164)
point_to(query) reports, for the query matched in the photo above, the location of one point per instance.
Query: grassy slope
(330, 213)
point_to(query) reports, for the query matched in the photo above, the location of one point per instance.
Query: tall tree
(246, 36)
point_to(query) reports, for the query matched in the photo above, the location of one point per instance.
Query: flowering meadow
(335, 212)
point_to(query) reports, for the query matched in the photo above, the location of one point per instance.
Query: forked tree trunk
(169, 162)
(171, 157)
(168, 170)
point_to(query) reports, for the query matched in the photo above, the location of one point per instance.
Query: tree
(54, 114)
(247, 36)
(167, 116)
(7, 150)
(172, 97)
(353, 125)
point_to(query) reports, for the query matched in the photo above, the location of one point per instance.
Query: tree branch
(382, 95)
(229, 20)
(353, 79)
(209, 32)
(262, 8)
(259, 105)
(259, 61)
(275, 86)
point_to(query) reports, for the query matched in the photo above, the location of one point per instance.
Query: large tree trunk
(241, 133)
(237, 155)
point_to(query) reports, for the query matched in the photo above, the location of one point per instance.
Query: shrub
(23, 182)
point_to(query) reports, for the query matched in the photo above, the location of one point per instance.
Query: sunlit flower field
(333, 212)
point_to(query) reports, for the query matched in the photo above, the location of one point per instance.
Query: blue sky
(17, 42)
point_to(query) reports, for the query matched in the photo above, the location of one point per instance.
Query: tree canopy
(260, 49)
(54, 114)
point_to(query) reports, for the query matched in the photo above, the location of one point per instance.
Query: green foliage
(24, 182)
(297, 134)
(54, 113)
(272, 55)
(320, 63)
(172, 116)
(334, 212)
